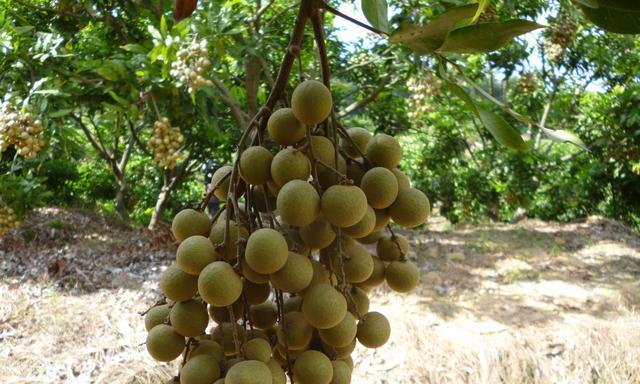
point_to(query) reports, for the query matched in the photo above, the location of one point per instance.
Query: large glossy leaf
(629, 5)
(428, 38)
(588, 3)
(376, 13)
(501, 130)
(485, 37)
(563, 136)
(617, 20)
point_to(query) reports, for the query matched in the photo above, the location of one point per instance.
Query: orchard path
(531, 302)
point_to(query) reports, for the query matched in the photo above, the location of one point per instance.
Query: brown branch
(355, 106)
(236, 109)
(354, 21)
(92, 140)
(251, 82)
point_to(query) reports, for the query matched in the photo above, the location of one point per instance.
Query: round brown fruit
(390, 249)
(373, 330)
(189, 222)
(364, 226)
(263, 316)
(323, 306)
(295, 275)
(189, 318)
(290, 164)
(255, 293)
(341, 372)
(195, 253)
(177, 285)
(223, 187)
(344, 205)
(298, 203)
(249, 372)
(384, 151)
(380, 186)
(223, 335)
(219, 285)
(318, 234)
(402, 276)
(360, 138)
(299, 331)
(164, 343)
(284, 128)
(257, 349)
(311, 102)
(255, 165)
(342, 334)
(156, 316)
(202, 369)
(266, 251)
(312, 367)
(410, 209)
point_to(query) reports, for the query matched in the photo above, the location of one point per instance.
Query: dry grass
(527, 303)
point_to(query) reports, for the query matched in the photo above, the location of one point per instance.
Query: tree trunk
(161, 204)
(121, 201)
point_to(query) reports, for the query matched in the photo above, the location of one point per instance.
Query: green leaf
(376, 13)
(503, 132)
(616, 20)
(485, 37)
(120, 100)
(629, 5)
(563, 136)
(588, 3)
(135, 48)
(482, 6)
(59, 113)
(107, 73)
(428, 38)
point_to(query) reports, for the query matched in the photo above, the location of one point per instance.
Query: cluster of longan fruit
(559, 38)
(290, 296)
(21, 131)
(8, 219)
(422, 90)
(193, 61)
(165, 144)
(527, 82)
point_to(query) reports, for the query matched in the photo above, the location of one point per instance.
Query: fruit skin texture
(177, 285)
(249, 372)
(360, 299)
(318, 234)
(411, 208)
(342, 334)
(384, 151)
(189, 318)
(323, 150)
(344, 205)
(290, 164)
(341, 372)
(189, 222)
(223, 335)
(284, 128)
(357, 262)
(277, 373)
(202, 369)
(311, 102)
(299, 331)
(372, 237)
(373, 330)
(387, 248)
(255, 165)
(403, 181)
(257, 349)
(312, 367)
(209, 348)
(295, 275)
(164, 343)
(221, 314)
(219, 285)
(360, 137)
(156, 315)
(216, 236)
(266, 251)
(402, 276)
(363, 227)
(323, 306)
(195, 253)
(382, 219)
(223, 188)
(298, 203)
(377, 275)
(380, 186)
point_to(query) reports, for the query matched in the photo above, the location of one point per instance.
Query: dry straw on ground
(526, 303)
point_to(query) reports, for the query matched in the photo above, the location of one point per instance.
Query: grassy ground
(532, 302)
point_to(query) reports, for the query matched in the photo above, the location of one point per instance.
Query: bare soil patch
(532, 302)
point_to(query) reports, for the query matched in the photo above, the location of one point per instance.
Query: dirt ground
(532, 302)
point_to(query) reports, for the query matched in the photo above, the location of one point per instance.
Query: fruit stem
(354, 21)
